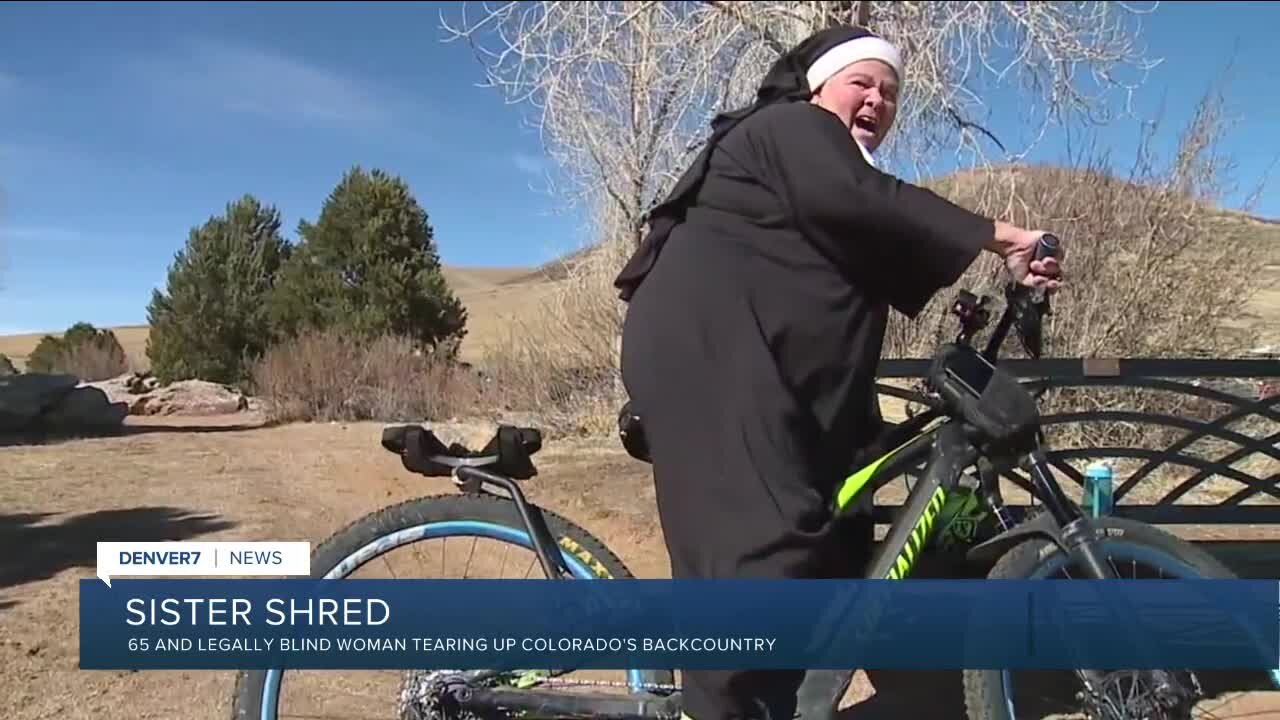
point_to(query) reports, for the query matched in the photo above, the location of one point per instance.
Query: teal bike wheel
(1129, 545)
(257, 693)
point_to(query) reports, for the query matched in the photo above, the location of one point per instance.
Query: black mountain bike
(980, 417)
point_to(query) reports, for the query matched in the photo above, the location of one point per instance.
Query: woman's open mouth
(865, 122)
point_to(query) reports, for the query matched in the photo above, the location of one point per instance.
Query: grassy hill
(490, 294)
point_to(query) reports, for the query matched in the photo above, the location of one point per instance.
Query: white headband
(837, 58)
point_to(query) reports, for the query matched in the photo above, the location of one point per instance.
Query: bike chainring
(1137, 695)
(431, 694)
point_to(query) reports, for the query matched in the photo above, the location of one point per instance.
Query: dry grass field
(491, 296)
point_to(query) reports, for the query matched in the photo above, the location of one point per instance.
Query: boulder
(52, 403)
(144, 395)
(27, 396)
(190, 397)
(84, 408)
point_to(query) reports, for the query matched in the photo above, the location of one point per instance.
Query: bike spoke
(470, 556)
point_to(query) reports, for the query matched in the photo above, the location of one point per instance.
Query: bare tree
(622, 92)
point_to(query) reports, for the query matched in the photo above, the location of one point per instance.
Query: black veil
(786, 81)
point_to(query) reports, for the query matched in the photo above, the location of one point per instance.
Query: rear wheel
(467, 520)
(1136, 551)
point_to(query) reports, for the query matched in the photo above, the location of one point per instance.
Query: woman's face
(864, 96)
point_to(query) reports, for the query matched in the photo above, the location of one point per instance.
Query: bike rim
(427, 531)
(1152, 557)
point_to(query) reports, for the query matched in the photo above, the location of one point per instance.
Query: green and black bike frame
(947, 448)
(936, 439)
(947, 451)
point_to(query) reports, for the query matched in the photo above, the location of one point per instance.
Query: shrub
(559, 358)
(212, 318)
(332, 375)
(369, 267)
(44, 357)
(1153, 269)
(85, 351)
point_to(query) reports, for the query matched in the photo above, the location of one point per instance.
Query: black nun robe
(757, 308)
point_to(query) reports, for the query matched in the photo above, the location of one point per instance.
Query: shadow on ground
(33, 439)
(37, 549)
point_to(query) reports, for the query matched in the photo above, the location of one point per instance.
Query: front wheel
(1136, 551)
(422, 528)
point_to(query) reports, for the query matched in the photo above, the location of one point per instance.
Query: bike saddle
(508, 453)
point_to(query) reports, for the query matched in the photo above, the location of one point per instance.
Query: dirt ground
(224, 479)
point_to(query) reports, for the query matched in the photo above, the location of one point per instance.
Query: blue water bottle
(1097, 489)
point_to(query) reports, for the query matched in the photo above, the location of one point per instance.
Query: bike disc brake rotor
(1134, 695)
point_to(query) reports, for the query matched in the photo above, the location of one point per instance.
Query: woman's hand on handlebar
(1018, 248)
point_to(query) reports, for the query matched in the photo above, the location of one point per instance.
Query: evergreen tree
(369, 266)
(212, 318)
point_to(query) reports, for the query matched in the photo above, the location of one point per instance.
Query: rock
(27, 396)
(190, 397)
(84, 408)
(140, 384)
(117, 388)
(49, 403)
(144, 395)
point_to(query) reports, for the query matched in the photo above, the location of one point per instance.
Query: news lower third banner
(640, 624)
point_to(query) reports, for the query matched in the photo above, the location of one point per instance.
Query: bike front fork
(1080, 540)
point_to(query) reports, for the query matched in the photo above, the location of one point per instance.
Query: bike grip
(1047, 246)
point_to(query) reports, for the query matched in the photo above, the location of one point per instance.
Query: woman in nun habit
(757, 309)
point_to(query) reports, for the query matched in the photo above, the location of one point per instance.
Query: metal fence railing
(1242, 386)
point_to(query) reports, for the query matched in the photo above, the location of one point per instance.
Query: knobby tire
(984, 690)
(250, 685)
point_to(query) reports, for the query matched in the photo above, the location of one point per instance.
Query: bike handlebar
(1047, 246)
(1020, 300)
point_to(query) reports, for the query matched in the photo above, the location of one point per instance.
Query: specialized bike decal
(907, 558)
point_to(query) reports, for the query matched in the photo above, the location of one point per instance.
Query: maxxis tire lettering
(587, 558)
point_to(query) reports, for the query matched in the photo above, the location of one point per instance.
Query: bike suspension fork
(1077, 532)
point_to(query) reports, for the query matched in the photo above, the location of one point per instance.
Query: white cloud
(267, 84)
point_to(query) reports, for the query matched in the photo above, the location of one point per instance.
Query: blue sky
(122, 126)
